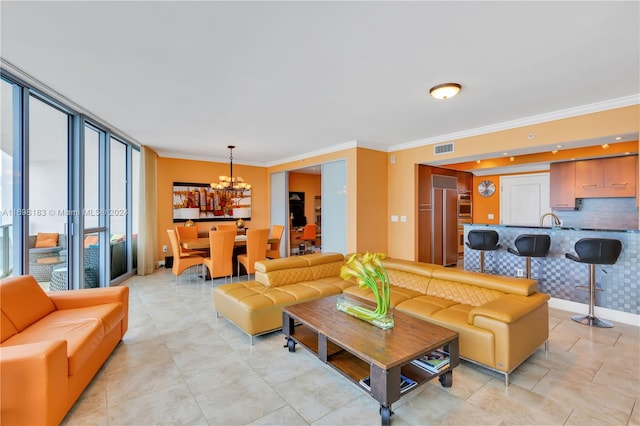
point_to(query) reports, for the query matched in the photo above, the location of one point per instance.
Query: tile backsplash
(602, 213)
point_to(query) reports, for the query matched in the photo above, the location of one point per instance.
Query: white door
(334, 207)
(524, 199)
(279, 207)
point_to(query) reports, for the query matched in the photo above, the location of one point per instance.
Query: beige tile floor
(180, 365)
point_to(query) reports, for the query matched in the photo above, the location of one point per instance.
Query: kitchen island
(558, 276)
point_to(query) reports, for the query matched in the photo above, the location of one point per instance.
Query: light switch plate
(394, 218)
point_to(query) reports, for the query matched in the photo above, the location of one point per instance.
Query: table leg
(288, 327)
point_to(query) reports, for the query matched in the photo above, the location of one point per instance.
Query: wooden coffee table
(358, 349)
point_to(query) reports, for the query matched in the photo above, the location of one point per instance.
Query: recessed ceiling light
(555, 151)
(605, 146)
(477, 161)
(512, 158)
(445, 91)
(619, 138)
(558, 146)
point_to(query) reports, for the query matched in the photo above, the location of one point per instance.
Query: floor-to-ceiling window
(47, 206)
(118, 206)
(64, 173)
(9, 95)
(94, 233)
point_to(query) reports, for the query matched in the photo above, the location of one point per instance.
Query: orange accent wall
(311, 185)
(373, 200)
(483, 206)
(178, 170)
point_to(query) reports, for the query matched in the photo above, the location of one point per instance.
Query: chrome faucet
(556, 219)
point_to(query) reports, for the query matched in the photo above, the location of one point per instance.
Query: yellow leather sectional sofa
(501, 320)
(52, 346)
(256, 306)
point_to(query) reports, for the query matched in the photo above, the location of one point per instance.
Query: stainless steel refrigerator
(444, 235)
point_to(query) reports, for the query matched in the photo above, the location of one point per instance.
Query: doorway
(524, 199)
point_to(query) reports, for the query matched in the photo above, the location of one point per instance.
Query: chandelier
(231, 183)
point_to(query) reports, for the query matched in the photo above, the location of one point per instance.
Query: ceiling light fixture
(231, 183)
(605, 146)
(445, 91)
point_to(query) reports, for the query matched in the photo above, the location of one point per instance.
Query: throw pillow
(46, 240)
(90, 240)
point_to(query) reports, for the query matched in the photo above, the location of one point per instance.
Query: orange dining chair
(181, 263)
(227, 227)
(273, 249)
(256, 250)
(188, 233)
(220, 261)
(308, 234)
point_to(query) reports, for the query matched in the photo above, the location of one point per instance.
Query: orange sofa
(52, 346)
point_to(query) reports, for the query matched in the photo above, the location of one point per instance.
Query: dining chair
(256, 250)
(273, 249)
(220, 260)
(180, 262)
(308, 234)
(188, 233)
(227, 227)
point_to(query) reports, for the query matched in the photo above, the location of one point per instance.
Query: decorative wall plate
(486, 188)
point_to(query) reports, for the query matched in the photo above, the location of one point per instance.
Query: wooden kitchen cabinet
(465, 182)
(620, 176)
(606, 177)
(563, 185)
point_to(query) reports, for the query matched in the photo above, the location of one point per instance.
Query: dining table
(203, 242)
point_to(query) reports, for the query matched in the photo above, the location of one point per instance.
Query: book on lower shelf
(405, 383)
(434, 362)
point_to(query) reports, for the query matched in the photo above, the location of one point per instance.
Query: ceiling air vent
(445, 148)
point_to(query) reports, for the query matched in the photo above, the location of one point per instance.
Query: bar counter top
(559, 276)
(561, 227)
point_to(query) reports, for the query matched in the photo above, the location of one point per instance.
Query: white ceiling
(281, 80)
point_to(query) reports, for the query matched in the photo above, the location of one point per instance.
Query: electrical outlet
(164, 249)
(519, 272)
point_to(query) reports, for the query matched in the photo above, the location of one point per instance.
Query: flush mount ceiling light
(445, 91)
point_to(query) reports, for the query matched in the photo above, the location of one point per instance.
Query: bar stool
(531, 245)
(483, 241)
(594, 251)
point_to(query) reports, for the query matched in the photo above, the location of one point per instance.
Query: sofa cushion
(502, 284)
(46, 239)
(7, 329)
(461, 293)
(411, 275)
(397, 294)
(322, 258)
(476, 343)
(277, 272)
(324, 270)
(23, 301)
(424, 306)
(83, 335)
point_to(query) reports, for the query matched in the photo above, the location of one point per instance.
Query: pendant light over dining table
(231, 183)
